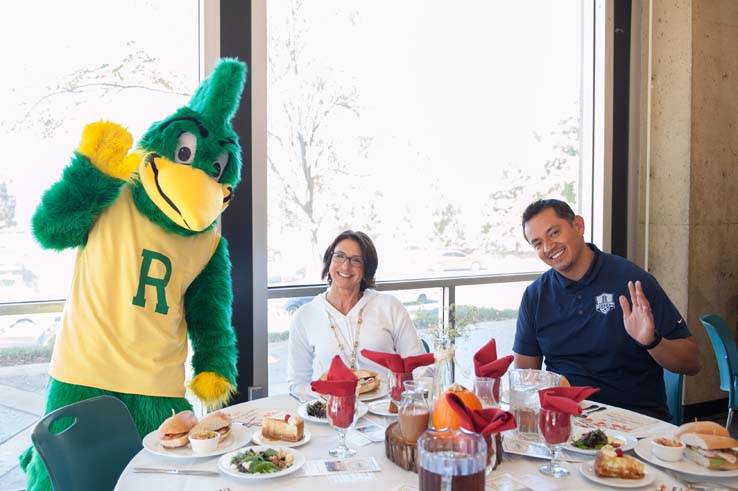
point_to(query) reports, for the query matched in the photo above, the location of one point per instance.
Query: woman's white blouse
(386, 326)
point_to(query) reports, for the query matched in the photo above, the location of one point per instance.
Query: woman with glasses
(349, 316)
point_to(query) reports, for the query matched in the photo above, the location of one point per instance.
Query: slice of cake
(611, 462)
(283, 426)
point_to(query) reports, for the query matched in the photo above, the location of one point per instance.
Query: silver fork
(709, 486)
(701, 485)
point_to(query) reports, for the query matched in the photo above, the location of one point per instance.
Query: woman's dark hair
(561, 208)
(368, 254)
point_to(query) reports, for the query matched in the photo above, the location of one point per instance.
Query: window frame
(244, 224)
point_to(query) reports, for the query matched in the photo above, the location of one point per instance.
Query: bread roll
(174, 430)
(708, 442)
(702, 428)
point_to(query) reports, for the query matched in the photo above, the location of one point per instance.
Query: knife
(184, 472)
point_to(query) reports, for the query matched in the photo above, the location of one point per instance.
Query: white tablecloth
(324, 437)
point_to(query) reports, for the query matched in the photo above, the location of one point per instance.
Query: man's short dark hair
(368, 254)
(562, 209)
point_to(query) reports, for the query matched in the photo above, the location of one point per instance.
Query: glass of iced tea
(555, 427)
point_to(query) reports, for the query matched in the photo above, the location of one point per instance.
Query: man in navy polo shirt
(570, 317)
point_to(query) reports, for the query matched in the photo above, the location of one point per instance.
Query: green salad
(262, 461)
(316, 409)
(593, 440)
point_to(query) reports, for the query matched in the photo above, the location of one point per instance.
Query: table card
(328, 467)
(614, 419)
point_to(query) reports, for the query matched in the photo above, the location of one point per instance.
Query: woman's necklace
(339, 336)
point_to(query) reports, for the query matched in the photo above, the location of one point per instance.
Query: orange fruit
(563, 381)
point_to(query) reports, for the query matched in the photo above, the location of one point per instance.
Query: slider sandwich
(709, 445)
(218, 421)
(174, 430)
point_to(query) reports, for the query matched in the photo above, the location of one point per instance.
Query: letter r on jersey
(159, 283)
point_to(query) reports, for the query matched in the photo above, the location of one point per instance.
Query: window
(430, 129)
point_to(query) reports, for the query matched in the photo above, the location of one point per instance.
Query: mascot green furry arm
(151, 268)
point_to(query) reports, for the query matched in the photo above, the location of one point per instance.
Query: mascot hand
(106, 145)
(212, 389)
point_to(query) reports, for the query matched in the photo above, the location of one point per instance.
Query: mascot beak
(187, 195)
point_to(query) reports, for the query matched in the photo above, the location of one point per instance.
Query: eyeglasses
(340, 258)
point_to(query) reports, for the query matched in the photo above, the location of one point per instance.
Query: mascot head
(190, 162)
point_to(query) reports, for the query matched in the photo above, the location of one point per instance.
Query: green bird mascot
(151, 268)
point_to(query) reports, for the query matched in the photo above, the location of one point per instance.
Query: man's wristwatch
(656, 340)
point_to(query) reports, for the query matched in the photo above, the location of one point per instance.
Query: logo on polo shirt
(605, 303)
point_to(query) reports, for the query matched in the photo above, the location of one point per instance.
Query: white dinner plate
(629, 443)
(237, 437)
(224, 464)
(302, 411)
(381, 408)
(380, 391)
(643, 450)
(260, 439)
(587, 470)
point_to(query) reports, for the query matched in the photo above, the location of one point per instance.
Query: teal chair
(727, 358)
(90, 447)
(426, 347)
(673, 385)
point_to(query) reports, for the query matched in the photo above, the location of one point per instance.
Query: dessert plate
(260, 439)
(587, 470)
(302, 412)
(380, 391)
(381, 408)
(224, 464)
(238, 437)
(686, 466)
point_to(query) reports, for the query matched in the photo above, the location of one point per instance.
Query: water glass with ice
(524, 402)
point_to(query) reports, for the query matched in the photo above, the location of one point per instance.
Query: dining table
(518, 469)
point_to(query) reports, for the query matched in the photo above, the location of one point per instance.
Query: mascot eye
(219, 166)
(186, 148)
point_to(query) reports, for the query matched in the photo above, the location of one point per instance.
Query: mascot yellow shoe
(151, 268)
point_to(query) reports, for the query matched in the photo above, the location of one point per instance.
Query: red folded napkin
(482, 421)
(486, 363)
(565, 399)
(397, 364)
(340, 380)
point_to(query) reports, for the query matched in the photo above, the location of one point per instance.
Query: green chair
(673, 385)
(89, 449)
(727, 358)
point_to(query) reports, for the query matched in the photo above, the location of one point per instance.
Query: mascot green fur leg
(144, 409)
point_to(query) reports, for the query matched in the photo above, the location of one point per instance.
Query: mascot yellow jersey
(129, 282)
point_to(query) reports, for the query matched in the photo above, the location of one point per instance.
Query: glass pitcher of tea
(414, 412)
(451, 460)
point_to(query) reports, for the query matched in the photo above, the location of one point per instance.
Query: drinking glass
(487, 389)
(396, 379)
(555, 427)
(342, 412)
(524, 401)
